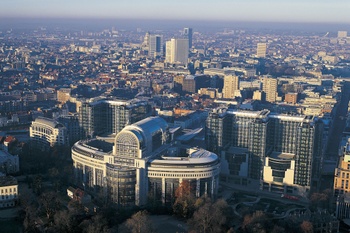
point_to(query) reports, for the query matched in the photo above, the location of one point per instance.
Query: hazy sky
(244, 10)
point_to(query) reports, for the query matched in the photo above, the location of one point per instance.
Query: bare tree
(140, 223)
(49, 203)
(211, 217)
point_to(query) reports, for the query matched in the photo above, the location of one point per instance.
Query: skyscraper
(284, 152)
(177, 51)
(231, 85)
(270, 88)
(155, 47)
(187, 32)
(110, 115)
(261, 50)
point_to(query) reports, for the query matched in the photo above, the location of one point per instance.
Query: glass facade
(121, 182)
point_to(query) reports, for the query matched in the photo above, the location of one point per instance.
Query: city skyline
(251, 10)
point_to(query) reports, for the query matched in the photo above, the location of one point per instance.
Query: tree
(98, 224)
(257, 222)
(306, 227)
(49, 203)
(185, 200)
(140, 223)
(211, 217)
(37, 184)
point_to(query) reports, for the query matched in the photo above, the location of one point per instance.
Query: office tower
(218, 130)
(110, 116)
(231, 86)
(342, 34)
(72, 125)
(192, 83)
(297, 140)
(249, 130)
(143, 166)
(187, 32)
(177, 51)
(270, 89)
(155, 47)
(284, 152)
(261, 49)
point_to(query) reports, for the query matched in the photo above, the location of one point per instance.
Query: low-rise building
(8, 191)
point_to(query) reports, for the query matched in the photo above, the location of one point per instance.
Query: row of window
(8, 190)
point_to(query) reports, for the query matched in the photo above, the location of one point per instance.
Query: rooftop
(7, 181)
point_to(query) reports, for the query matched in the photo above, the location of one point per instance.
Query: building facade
(342, 172)
(110, 116)
(283, 152)
(177, 51)
(261, 50)
(231, 86)
(270, 89)
(8, 191)
(45, 133)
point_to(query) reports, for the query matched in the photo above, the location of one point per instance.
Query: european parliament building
(143, 164)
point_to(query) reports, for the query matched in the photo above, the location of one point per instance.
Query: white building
(8, 191)
(46, 133)
(177, 51)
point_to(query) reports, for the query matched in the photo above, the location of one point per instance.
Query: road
(335, 135)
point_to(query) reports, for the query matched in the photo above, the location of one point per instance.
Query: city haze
(251, 10)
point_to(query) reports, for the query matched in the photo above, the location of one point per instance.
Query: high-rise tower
(187, 32)
(231, 85)
(155, 47)
(261, 50)
(270, 88)
(177, 51)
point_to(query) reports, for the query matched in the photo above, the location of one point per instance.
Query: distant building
(9, 191)
(74, 131)
(231, 86)
(342, 172)
(342, 34)
(291, 98)
(177, 51)
(270, 88)
(45, 133)
(155, 47)
(63, 95)
(261, 50)
(110, 116)
(188, 33)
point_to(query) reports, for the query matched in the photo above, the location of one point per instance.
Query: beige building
(8, 191)
(231, 85)
(63, 94)
(261, 49)
(270, 88)
(342, 172)
(342, 34)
